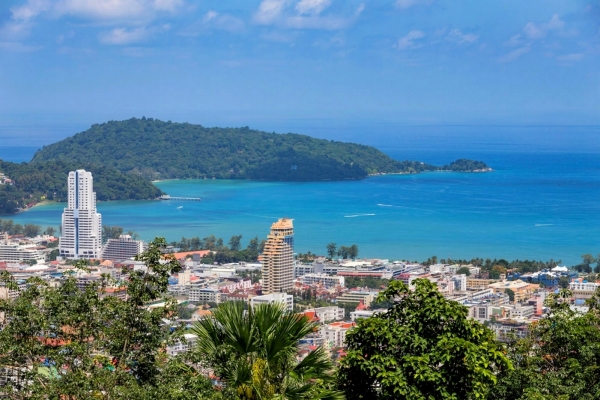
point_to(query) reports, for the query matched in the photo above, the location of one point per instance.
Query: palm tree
(254, 352)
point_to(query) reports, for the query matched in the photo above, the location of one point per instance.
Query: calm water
(537, 204)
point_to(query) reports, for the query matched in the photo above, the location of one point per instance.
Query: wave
(543, 224)
(385, 205)
(358, 215)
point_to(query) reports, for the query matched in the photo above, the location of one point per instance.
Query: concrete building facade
(123, 248)
(81, 223)
(278, 258)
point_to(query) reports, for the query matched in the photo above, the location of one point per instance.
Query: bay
(541, 201)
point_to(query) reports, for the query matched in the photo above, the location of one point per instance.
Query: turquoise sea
(542, 200)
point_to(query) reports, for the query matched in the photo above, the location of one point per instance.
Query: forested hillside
(48, 181)
(161, 150)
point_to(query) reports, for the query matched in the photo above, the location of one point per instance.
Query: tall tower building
(81, 224)
(278, 258)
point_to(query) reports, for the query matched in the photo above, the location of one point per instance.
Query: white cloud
(570, 58)
(538, 31)
(513, 55)
(408, 41)
(30, 10)
(225, 22)
(457, 36)
(269, 10)
(312, 7)
(404, 4)
(116, 9)
(125, 36)
(306, 14)
(515, 40)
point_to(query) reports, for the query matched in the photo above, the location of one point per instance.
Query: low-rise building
(204, 295)
(358, 314)
(334, 334)
(583, 290)
(122, 248)
(182, 346)
(355, 297)
(323, 279)
(286, 299)
(327, 314)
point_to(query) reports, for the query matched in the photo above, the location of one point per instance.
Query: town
(331, 290)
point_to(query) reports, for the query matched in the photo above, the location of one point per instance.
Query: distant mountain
(162, 150)
(47, 180)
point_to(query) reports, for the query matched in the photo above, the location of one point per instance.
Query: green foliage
(462, 165)
(160, 150)
(348, 251)
(511, 294)
(331, 250)
(464, 271)
(368, 281)
(75, 344)
(423, 347)
(254, 353)
(29, 230)
(39, 181)
(560, 359)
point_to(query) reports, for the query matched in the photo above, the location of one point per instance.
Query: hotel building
(81, 224)
(278, 258)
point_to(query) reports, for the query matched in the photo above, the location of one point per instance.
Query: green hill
(162, 150)
(35, 182)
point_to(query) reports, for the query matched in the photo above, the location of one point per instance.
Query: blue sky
(243, 62)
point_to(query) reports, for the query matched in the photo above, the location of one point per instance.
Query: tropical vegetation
(423, 347)
(47, 181)
(161, 150)
(253, 352)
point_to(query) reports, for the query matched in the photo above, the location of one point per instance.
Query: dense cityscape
(333, 292)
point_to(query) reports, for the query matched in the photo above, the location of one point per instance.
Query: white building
(331, 313)
(583, 290)
(12, 251)
(284, 298)
(81, 224)
(334, 334)
(123, 248)
(182, 346)
(204, 295)
(325, 280)
(354, 315)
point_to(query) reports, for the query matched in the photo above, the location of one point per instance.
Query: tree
(331, 250)
(235, 243)
(563, 282)
(98, 346)
(560, 357)
(423, 347)
(31, 230)
(511, 295)
(353, 251)
(344, 252)
(50, 231)
(587, 259)
(464, 271)
(253, 244)
(597, 268)
(254, 353)
(496, 271)
(111, 232)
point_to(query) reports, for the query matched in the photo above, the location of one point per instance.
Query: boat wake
(358, 215)
(385, 205)
(543, 224)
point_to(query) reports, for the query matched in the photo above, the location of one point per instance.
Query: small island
(125, 157)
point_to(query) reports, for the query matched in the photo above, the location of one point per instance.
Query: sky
(237, 63)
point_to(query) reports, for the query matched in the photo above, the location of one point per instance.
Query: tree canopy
(160, 150)
(423, 347)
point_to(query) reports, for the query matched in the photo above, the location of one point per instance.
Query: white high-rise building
(81, 224)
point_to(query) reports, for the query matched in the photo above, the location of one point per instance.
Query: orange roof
(183, 254)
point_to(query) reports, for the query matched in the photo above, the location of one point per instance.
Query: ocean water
(540, 202)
